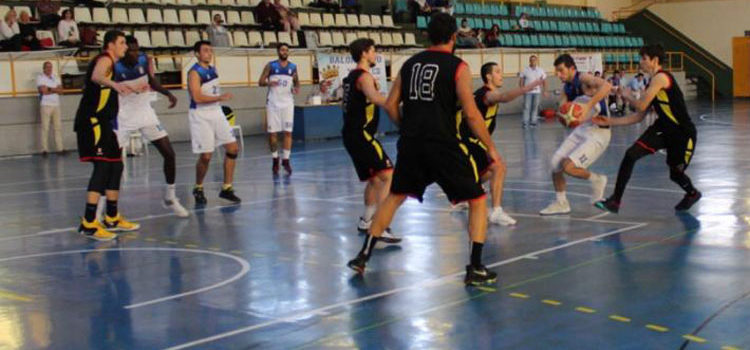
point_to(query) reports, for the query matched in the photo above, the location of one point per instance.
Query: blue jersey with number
(209, 85)
(574, 89)
(281, 94)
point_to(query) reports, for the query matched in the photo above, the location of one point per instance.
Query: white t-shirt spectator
(530, 75)
(636, 85)
(67, 30)
(50, 82)
(6, 31)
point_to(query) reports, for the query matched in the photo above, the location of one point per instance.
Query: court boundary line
(245, 268)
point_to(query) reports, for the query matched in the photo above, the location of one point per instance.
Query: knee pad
(231, 155)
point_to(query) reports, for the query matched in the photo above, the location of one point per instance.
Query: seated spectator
(492, 38)
(47, 12)
(467, 37)
(636, 86)
(267, 16)
(27, 27)
(524, 23)
(351, 6)
(288, 18)
(10, 32)
(328, 5)
(67, 30)
(441, 6)
(218, 35)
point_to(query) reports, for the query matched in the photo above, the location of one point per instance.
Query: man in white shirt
(49, 87)
(532, 98)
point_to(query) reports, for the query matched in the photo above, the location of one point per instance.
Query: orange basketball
(570, 114)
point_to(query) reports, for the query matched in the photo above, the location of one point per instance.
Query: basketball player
(487, 98)
(431, 84)
(281, 78)
(136, 70)
(208, 125)
(673, 130)
(97, 141)
(361, 95)
(586, 143)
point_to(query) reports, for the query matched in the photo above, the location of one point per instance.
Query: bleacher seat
(269, 38)
(243, 3)
(338, 39)
(397, 38)
(325, 39)
(315, 20)
(254, 38)
(233, 17)
(340, 20)
(3, 10)
(304, 19)
(213, 2)
(375, 36)
(153, 16)
(170, 16)
(135, 15)
(350, 37)
(247, 17)
(191, 37)
(285, 37)
(376, 21)
(176, 39)
(227, 3)
(328, 20)
(46, 38)
(239, 38)
(295, 4)
(388, 21)
(119, 15)
(100, 15)
(199, 2)
(387, 39)
(364, 21)
(169, 2)
(159, 39)
(421, 22)
(81, 14)
(144, 40)
(352, 20)
(203, 17)
(186, 17)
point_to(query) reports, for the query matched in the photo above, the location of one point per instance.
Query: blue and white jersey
(281, 94)
(209, 86)
(574, 89)
(135, 77)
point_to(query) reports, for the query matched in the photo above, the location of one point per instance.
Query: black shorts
(680, 144)
(479, 154)
(97, 142)
(368, 156)
(420, 163)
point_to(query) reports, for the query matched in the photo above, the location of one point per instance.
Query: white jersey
(281, 94)
(209, 87)
(135, 109)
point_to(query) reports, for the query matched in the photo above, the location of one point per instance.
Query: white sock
(594, 177)
(275, 154)
(369, 212)
(170, 192)
(285, 153)
(498, 208)
(561, 197)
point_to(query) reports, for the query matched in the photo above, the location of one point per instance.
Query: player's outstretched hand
(225, 96)
(122, 89)
(172, 101)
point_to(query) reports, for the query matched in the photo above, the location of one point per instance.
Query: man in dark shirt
(267, 16)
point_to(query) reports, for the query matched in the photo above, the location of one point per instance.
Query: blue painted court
(270, 273)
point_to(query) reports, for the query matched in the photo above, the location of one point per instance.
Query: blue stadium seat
(421, 22)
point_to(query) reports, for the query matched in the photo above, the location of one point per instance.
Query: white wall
(710, 23)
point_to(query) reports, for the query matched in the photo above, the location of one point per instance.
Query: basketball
(548, 113)
(570, 114)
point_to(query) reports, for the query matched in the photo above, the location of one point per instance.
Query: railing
(682, 57)
(628, 11)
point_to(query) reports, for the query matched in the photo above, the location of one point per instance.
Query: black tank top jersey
(359, 113)
(669, 105)
(97, 101)
(428, 92)
(488, 113)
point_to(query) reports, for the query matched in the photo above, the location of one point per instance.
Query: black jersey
(430, 101)
(359, 113)
(98, 101)
(488, 113)
(669, 105)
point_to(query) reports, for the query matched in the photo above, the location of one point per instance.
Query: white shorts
(583, 146)
(143, 120)
(209, 129)
(280, 118)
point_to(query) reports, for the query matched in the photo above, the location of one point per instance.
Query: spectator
(441, 6)
(328, 5)
(492, 39)
(467, 37)
(67, 30)
(419, 7)
(614, 93)
(28, 31)
(524, 23)
(47, 11)
(598, 74)
(218, 35)
(10, 32)
(49, 88)
(288, 18)
(351, 6)
(636, 86)
(532, 99)
(267, 16)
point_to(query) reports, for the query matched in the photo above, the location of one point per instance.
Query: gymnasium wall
(710, 23)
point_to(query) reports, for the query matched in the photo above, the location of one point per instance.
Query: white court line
(143, 218)
(597, 216)
(245, 268)
(704, 117)
(431, 283)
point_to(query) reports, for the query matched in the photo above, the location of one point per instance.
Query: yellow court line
(657, 328)
(258, 255)
(170, 242)
(619, 318)
(191, 246)
(551, 302)
(728, 347)
(586, 310)
(4, 294)
(149, 239)
(236, 252)
(694, 338)
(215, 249)
(519, 295)
(486, 289)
